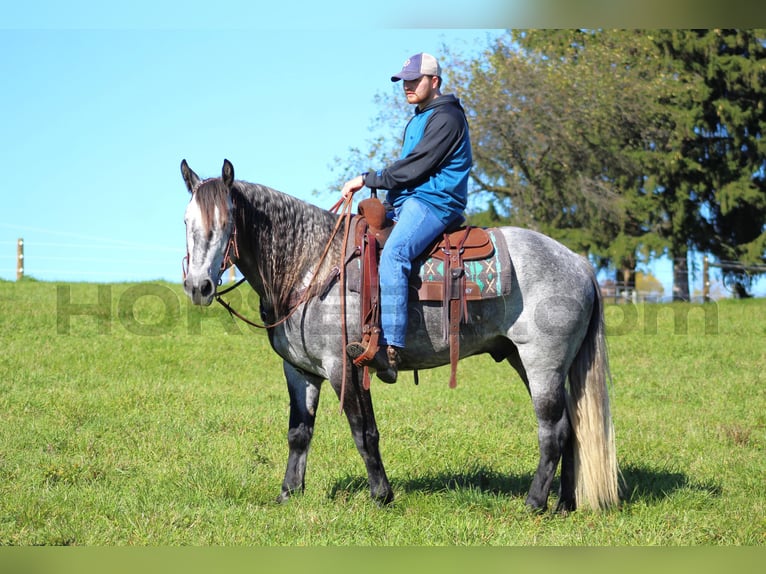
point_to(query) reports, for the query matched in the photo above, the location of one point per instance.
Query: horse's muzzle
(201, 292)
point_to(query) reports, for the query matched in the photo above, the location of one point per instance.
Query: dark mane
(289, 236)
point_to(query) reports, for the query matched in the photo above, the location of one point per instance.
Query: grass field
(131, 418)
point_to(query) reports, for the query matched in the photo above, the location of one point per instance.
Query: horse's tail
(595, 453)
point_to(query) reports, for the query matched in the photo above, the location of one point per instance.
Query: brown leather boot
(385, 363)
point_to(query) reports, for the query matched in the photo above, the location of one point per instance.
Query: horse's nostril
(206, 288)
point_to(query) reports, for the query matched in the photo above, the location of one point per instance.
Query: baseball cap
(418, 65)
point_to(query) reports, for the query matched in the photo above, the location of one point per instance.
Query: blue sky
(96, 122)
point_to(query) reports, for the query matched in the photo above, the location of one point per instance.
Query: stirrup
(385, 361)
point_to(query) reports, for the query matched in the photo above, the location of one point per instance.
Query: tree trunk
(740, 291)
(680, 274)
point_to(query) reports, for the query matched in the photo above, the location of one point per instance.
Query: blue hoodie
(435, 161)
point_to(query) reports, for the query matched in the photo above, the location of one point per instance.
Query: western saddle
(454, 248)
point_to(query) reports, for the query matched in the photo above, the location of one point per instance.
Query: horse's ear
(190, 178)
(227, 173)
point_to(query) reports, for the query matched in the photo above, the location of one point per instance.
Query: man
(427, 188)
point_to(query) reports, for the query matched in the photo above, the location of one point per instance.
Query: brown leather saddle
(453, 249)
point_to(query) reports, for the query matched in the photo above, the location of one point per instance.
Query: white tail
(595, 453)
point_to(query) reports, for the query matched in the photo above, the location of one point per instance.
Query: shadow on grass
(480, 479)
(640, 484)
(652, 485)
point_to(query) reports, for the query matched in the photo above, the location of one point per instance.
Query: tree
(623, 143)
(649, 286)
(558, 119)
(711, 173)
(733, 125)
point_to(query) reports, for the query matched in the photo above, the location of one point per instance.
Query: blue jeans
(416, 227)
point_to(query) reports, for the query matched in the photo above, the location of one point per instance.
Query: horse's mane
(288, 236)
(211, 194)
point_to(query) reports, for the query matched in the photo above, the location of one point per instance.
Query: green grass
(163, 424)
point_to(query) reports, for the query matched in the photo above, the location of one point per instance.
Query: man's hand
(352, 186)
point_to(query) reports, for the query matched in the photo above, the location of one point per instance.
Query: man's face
(420, 91)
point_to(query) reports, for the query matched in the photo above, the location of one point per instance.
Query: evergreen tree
(711, 176)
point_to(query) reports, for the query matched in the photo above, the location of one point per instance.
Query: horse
(549, 328)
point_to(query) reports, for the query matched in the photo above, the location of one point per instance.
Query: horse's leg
(357, 404)
(568, 483)
(546, 387)
(567, 500)
(304, 398)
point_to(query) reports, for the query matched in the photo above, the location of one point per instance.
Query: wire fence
(697, 278)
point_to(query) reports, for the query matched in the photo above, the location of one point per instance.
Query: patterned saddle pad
(485, 278)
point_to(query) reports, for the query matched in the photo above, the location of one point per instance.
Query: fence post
(705, 280)
(20, 259)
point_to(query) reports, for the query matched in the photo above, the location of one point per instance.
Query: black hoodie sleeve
(443, 133)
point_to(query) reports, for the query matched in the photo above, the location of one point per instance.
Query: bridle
(228, 259)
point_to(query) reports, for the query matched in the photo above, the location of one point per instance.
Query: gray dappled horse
(549, 328)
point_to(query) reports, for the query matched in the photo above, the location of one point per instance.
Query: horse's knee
(554, 429)
(372, 437)
(299, 438)
(548, 399)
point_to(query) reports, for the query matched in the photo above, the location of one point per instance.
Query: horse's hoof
(383, 500)
(536, 509)
(283, 497)
(564, 507)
